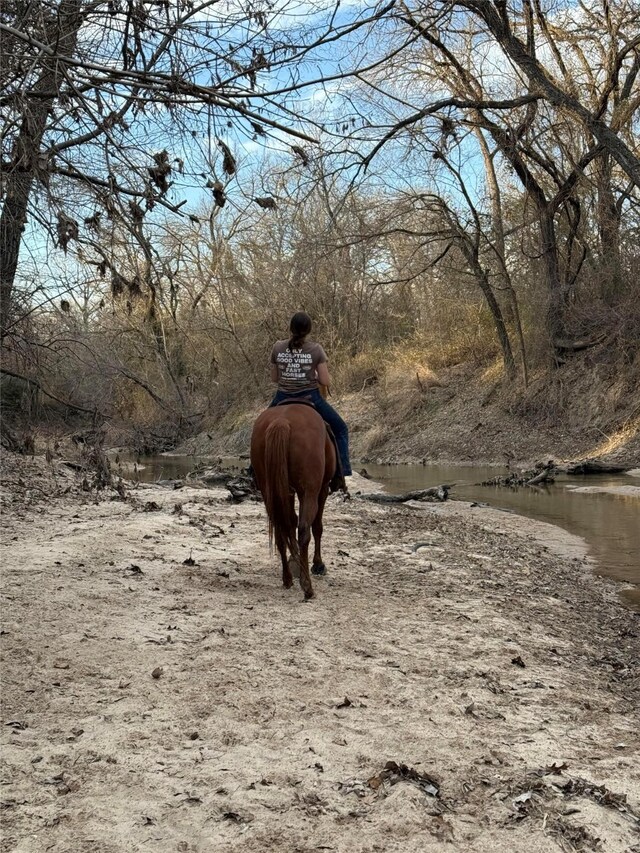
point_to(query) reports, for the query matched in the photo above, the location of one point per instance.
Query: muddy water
(610, 523)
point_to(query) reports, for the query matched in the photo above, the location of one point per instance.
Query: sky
(343, 115)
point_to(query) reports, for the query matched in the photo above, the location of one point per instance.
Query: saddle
(337, 482)
(298, 401)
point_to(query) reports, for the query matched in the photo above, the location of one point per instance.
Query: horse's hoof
(294, 567)
(309, 595)
(318, 569)
(288, 583)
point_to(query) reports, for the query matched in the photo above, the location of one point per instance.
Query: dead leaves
(137, 213)
(392, 774)
(401, 772)
(119, 284)
(159, 173)
(93, 222)
(189, 799)
(228, 160)
(266, 203)
(549, 794)
(302, 154)
(66, 229)
(219, 195)
(237, 817)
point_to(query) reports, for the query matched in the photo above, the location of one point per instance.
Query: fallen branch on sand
(242, 488)
(437, 494)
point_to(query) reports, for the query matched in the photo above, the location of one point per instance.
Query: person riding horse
(299, 367)
(293, 455)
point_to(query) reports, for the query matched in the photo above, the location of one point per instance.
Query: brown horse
(292, 454)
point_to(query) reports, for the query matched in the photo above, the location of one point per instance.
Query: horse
(292, 454)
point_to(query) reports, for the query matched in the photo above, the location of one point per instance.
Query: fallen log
(211, 476)
(545, 476)
(73, 466)
(242, 488)
(542, 473)
(437, 494)
(575, 346)
(595, 466)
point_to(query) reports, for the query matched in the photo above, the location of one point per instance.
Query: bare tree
(552, 141)
(122, 103)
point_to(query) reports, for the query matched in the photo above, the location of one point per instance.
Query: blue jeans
(329, 414)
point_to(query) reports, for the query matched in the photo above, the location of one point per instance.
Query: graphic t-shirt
(297, 368)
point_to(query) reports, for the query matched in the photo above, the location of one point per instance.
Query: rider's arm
(273, 366)
(323, 374)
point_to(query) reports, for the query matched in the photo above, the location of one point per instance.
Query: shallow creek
(609, 521)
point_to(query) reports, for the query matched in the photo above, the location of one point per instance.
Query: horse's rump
(307, 458)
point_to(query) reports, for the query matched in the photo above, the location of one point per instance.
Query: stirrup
(339, 484)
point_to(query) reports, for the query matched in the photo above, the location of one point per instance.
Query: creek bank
(175, 697)
(629, 491)
(471, 416)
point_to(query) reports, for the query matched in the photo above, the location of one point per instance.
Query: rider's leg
(339, 427)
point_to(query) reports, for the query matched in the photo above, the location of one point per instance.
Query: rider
(299, 367)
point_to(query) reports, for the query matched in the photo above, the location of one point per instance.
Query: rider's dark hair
(300, 326)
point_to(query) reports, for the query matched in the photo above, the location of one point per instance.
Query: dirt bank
(448, 639)
(468, 414)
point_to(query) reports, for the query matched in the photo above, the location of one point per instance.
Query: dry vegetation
(468, 206)
(401, 355)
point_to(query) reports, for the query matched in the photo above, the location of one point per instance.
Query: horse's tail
(276, 493)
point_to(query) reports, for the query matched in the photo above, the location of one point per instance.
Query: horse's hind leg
(308, 512)
(318, 567)
(281, 544)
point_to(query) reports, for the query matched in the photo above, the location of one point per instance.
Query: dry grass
(405, 384)
(619, 439)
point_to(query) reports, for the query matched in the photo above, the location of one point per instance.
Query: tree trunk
(512, 312)
(541, 81)
(609, 233)
(556, 311)
(498, 321)
(546, 223)
(61, 34)
(471, 254)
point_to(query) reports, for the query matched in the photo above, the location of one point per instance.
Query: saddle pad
(299, 401)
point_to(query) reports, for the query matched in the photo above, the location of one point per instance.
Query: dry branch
(437, 494)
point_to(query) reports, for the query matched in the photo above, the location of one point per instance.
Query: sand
(163, 692)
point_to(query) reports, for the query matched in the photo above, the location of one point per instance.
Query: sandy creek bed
(446, 638)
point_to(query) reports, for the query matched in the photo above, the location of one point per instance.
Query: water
(610, 523)
(150, 469)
